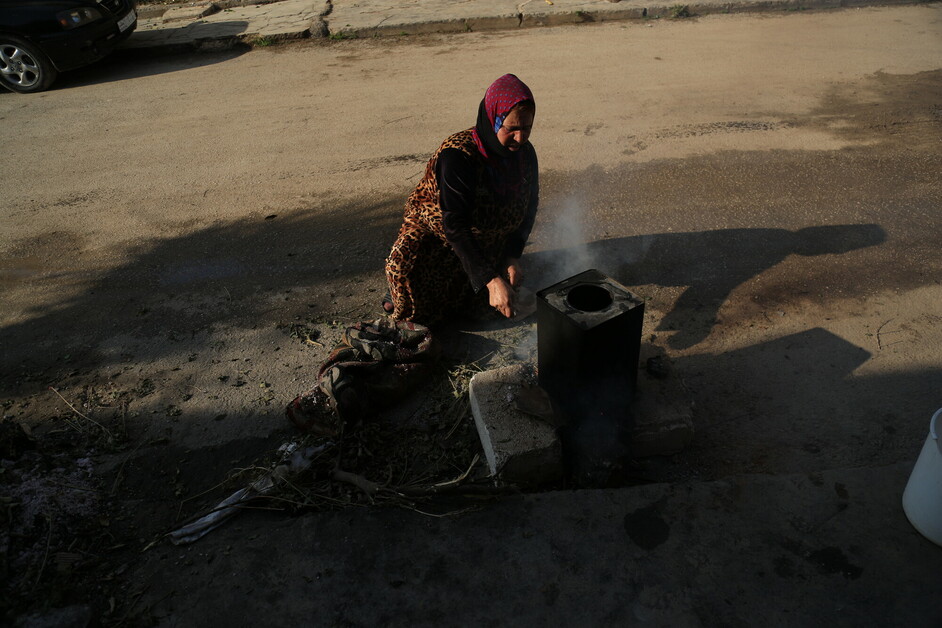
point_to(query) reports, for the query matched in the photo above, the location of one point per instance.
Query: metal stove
(589, 340)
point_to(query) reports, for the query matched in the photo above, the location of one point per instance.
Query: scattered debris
(295, 461)
(50, 513)
(414, 465)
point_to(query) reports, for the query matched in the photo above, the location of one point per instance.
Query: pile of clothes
(374, 365)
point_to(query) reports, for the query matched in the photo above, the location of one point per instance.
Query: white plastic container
(922, 499)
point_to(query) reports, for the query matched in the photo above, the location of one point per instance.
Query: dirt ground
(185, 237)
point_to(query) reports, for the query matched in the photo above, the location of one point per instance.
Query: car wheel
(23, 66)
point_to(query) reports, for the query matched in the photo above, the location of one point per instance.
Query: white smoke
(572, 241)
(575, 241)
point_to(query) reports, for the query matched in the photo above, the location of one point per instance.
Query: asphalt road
(771, 185)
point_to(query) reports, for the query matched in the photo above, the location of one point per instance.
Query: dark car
(40, 38)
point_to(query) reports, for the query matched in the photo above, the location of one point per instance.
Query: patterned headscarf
(505, 168)
(499, 99)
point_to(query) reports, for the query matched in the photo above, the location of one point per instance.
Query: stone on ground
(520, 449)
(526, 450)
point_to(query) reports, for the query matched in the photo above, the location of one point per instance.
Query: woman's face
(515, 130)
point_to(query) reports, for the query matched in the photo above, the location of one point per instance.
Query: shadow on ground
(786, 404)
(709, 266)
(131, 63)
(175, 296)
(797, 404)
(796, 408)
(816, 551)
(257, 271)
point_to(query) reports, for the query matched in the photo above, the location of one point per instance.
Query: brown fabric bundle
(374, 365)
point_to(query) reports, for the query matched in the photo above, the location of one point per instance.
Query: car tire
(24, 68)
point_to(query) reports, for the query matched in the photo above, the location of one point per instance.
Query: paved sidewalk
(220, 25)
(225, 23)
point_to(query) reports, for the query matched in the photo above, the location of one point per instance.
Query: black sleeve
(518, 239)
(457, 182)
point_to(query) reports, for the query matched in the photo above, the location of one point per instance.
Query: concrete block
(524, 450)
(520, 449)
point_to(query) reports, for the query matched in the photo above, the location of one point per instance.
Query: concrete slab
(541, 13)
(252, 24)
(150, 35)
(360, 18)
(189, 12)
(367, 19)
(203, 27)
(519, 448)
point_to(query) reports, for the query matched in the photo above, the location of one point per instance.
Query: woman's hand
(501, 296)
(514, 273)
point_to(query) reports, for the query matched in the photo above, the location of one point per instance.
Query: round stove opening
(589, 298)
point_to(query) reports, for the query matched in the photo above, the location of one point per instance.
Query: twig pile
(379, 463)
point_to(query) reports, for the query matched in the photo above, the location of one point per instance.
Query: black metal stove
(589, 340)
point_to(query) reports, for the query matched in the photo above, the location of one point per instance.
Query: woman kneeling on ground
(467, 221)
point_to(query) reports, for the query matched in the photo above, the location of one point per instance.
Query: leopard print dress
(426, 280)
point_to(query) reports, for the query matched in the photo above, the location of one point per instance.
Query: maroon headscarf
(502, 96)
(504, 165)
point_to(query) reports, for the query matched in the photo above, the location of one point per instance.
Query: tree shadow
(708, 265)
(798, 403)
(237, 273)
